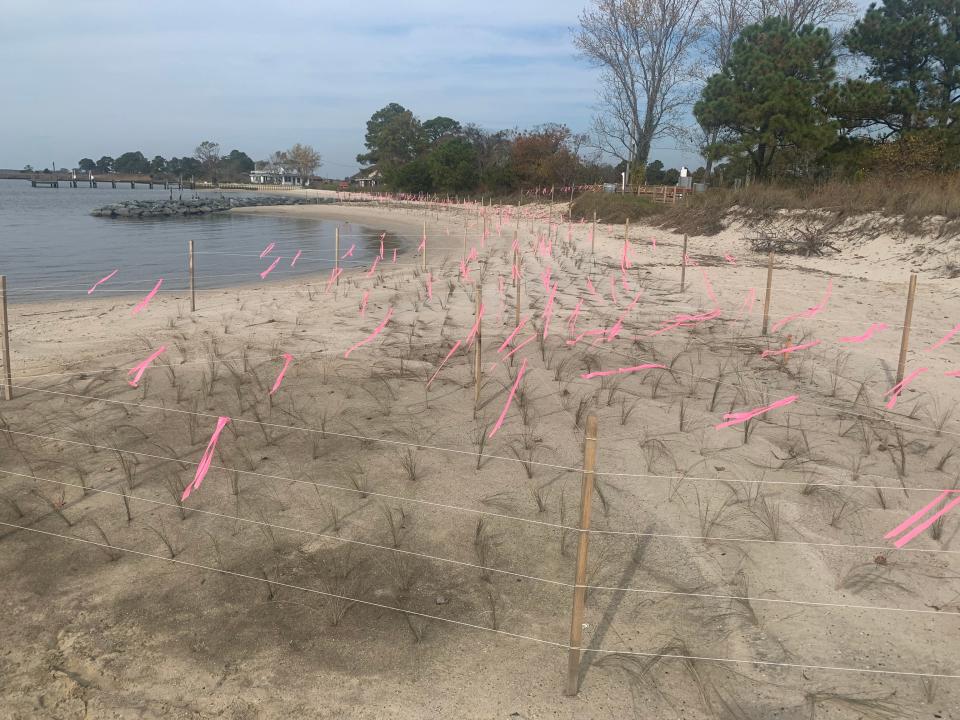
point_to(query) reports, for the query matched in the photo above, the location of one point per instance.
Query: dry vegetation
(347, 537)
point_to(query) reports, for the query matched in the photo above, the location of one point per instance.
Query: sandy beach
(362, 547)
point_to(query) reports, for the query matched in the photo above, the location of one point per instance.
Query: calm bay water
(52, 248)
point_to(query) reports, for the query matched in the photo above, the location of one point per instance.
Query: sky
(103, 77)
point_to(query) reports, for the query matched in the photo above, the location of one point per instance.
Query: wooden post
(683, 265)
(477, 372)
(766, 297)
(580, 590)
(336, 254)
(193, 289)
(593, 236)
(518, 300)
(516, 263)
(626, 231)
(7, 372)
(907, 321)
(424, 245)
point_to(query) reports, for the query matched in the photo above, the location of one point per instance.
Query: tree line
(776, 88)
(206, 163)
(444, 156)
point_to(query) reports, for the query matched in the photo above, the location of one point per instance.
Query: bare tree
(208, 154)
(305, 159)
(802, 12)
(644, 48)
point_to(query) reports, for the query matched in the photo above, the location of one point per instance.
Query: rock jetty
(194, 206)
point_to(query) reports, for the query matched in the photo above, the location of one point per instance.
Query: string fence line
(516, 518)
(489, 568)
(506, 633)
(471, 453)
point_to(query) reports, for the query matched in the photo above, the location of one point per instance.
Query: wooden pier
(94, 182)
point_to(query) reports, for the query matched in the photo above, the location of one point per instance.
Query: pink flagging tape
(548, 310)
(348, 253)
(592, 289)
(687, 321)
(709, 288)
(790, 349)
(952, 373)
(572, 321)
(476, 327)
(747, 306)
(287, 359)
(449, 355)
(263, 275)
(736, 418)
(430, 286)
(546, 277)
(624, 282)
(520, 346)
(474, 255)
(382, 236)
(377, 330)
(945, 339)
(334, 274)
(871, 331)
(730, 259)
(267, 249)
(653, 242)
(373, 268)
(895, 391)
(146, 301)
(293, 263)
(809, 312)
(917, 529)
(621, 371)
(363, 303)
(512, 335)
(633, 303)
(138, 370)
(101, 281)
(206, 460)
(586, 333)
(423, 245)
(513, 391)
(394, 261)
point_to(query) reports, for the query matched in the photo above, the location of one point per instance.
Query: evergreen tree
(770, 96)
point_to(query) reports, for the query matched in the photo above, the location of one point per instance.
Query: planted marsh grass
(657, 441)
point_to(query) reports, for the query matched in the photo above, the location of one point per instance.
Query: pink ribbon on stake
(736, 418)
(512, 335)
(267, 249)
(895, 391)
(348, 253)
(874, 328)
(334, 274)
(287, 359)
(430, 286)
(548, 310)
(206, 460)
(513, 391)
(926, 523)
(363, 303)
(621, 371)
(293, 263)
(263, 275)
(377, 330)
(394, 256)
(146, 301)
(382, 236)
(790, 349)
(945, 339)
(141, 368)
(476, 327)
(809, 312)
(373, 268)
(449, 355)
(101, 281)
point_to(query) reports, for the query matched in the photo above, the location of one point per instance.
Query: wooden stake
(518, 298)
(907, 321)
(580, 590)
(477, 372)
(7, 372)
(193, 290)
(424, 245)
(593, 236)
(336, 254)
(683, 265)
(626, 231)
(766, 297)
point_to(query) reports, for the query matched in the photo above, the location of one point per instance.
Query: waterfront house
(276, 176)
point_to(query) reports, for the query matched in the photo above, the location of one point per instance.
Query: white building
(276, 176)
(368, 178)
